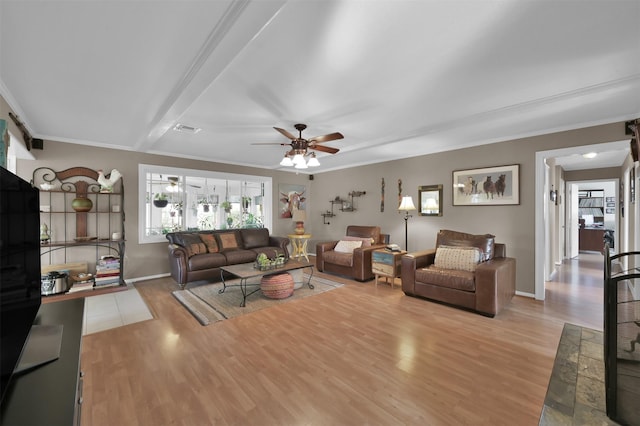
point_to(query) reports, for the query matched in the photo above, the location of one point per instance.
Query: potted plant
(226, 205)
(160, 200)
(205, 204)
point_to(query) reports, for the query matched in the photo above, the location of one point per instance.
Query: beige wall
(513, 225)
(141, 260)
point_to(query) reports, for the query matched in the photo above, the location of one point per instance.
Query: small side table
(386, 263)
(299, 245)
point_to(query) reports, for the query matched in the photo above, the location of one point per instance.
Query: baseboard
(523, 294)
(149, 277)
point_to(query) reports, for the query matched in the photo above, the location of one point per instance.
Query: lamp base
(299, 228)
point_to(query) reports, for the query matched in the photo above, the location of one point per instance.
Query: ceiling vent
(186, 129)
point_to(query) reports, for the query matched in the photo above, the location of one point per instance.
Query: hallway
(576, 292)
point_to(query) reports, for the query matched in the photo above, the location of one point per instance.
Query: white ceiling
(397, 78)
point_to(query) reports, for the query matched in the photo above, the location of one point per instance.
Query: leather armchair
(486, 290)
(356, 265)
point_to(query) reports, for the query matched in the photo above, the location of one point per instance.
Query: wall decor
(291, 198)
(382, 196)
(632, 185)
(399, 191)
(498, 185)
(430, 200)
(610, 211)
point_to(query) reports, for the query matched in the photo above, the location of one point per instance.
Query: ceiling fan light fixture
(302, 165)
(298, 159)
(286, 161)
(313, 161)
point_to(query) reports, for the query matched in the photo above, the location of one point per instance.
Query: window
(175, 199)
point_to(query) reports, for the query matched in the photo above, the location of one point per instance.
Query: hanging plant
(226, 205)
(160, 200)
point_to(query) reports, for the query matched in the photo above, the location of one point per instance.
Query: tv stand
(42, 346)
(50, 394)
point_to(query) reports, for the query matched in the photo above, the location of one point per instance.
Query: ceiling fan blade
(327, 138)
(271, 143)
(285, 133)
(324, 148)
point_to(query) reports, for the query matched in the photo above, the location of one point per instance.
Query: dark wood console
(52, 393)
(591, 239)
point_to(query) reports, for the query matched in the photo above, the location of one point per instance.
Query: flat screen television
(20, 285)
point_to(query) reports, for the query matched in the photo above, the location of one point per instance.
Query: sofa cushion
(458, 258)
(337, 258)
(191, 242)
(227, 240)
(449, 278)
(366, 241)
(252, 238)
(344, 246)
(237, 256)
(207, 261)
(210, 241)
(484, 242)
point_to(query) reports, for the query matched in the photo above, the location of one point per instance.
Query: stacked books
(107, 272)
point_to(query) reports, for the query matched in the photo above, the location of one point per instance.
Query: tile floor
(113, 310)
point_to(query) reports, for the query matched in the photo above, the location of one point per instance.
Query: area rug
(208, 306)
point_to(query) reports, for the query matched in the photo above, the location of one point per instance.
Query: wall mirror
(430, 200)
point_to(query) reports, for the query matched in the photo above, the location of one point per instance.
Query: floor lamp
(406, 206)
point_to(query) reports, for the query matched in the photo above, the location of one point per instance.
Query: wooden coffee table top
(247, 270)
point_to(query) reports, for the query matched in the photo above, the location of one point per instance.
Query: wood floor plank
(355, 355)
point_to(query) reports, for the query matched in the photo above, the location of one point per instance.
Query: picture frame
(488, 186)
(610, 211)
(610, 199)
(430, 200)
(611, 204)
(292, 197)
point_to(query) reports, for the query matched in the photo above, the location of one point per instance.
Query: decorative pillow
(458, 258)
(209, 240)
(227, 240)
(344, 246)
(366, 241)
(192, 243)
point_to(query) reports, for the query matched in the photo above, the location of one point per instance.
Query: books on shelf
(107, 271)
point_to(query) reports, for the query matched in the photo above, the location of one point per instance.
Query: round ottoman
(279, 286)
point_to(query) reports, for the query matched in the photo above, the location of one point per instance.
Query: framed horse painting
(488, 186)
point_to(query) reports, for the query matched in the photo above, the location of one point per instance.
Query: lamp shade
(286, 161)
(299, 216)
(407, 203)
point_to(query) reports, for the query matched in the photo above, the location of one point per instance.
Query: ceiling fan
(300, 147)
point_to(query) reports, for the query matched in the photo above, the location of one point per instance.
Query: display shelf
(69, 235)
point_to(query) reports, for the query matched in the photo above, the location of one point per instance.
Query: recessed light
(179, 127)
(590, 155)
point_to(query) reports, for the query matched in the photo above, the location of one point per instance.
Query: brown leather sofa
(198, 255)
(356, 265)
(486, 290)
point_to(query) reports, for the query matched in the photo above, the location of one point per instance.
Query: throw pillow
(458, 258)
(344, 246)
(192, 243)
(366, 241)
(209, 240)
(228, 240)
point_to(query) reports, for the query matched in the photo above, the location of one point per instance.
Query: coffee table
(246, 271)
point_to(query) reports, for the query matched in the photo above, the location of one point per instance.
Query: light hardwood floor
(353, 356)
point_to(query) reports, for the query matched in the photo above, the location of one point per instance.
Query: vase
(160, 203)
(82, 204)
